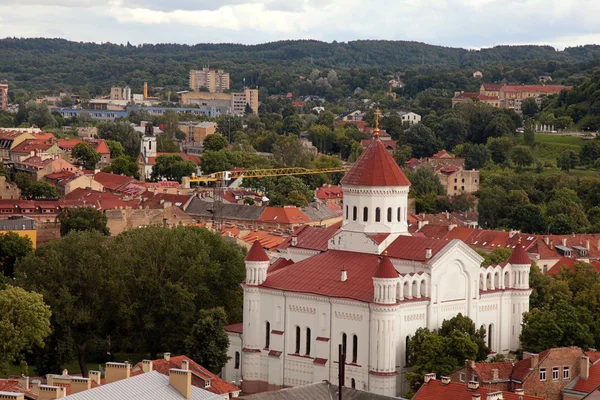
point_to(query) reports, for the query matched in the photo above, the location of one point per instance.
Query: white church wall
(232, 371)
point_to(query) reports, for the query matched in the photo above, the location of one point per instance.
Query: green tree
(215, 143)
(500, 149)
(122, 132)
(123, 165)
(164, 144)
(496, 256)
(529, 107)
(453, 131)
(39, 190)
(73, 275)
(82, 219)
(567, 160)
(288, 151)
(422, 140)
(402, 154)
(475, 155)
(23, 181)
(326, 118)
(171, 121)
(590, 152)
(86, 155)
(208, 342)
(522, 156)
(24, 324)
(529, 132)
(290, 190)
(172, 167)
(292, 125)
(116, 149)
(227, 124)
(39, 114)
(425, 181)
(13, 247)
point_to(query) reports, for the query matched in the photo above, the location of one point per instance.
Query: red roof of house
(100, 146)
(588, 385)
(14, 386)
(569, 263)
(414, 248)
(235, 328)
(443, 154)
(257, 253)
(492, 86)
(522, 369)
(68, 143)
(484, 370)
(385, 269)
(436, 390)
(185, 156)
(329, 192)
(29, 145)
(375, 167)
(112, 181)
(199, 374)
(519, 256)
(536, 88)
(310, 237)
(267, 239)
(285, 215)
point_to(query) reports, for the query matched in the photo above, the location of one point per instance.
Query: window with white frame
(461, 377)
(555, 373)
(566, 373)
(542, 374)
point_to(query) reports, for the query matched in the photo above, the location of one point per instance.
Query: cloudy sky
(460, 23)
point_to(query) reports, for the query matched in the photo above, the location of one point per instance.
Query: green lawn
(549, 147)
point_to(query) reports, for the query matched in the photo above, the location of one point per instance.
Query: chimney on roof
(181, 380)
(294, 241)
(24, 381)
(117, 371)
(585, 367)
(445, 380)
(11, 396)
(546, 240)
(80, 384)
(475, 396)
(534, 358)
(494, 396)
(587, 244)
(50, 379)
(520, 392)
(344, 276)
(473, 385)
(495, 374)
(564, 242)
(35, 386)
(167, 356)
(429, 377)
(147, 366)
(51, 392)
(428, 253)
(95, 376)
(470, 364)
(185, 365)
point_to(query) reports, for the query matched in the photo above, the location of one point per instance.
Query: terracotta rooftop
(29, 145)
(436, 390)
(588, 385)
(484, 370)
(375, 167)
(519, 256)
(326, 192)
(199, 374)
(235, 328)
(310, 237)
(257, 253)
(385, 269)
(112, 181)
(283, 215)
(536, 88)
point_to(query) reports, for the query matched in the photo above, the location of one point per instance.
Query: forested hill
(50, 63)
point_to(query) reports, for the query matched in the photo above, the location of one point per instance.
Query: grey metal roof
(562, 248)
(148, 386)
(318, 391)
(318, 212)
(228, 211)
(17, 224)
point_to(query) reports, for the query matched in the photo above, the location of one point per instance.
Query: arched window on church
(344, 337)
(346, 212)
(237, 360)
(267, 335)
(354, 213)
(308, 341)
(149, 144)
(490, 331)
(390, 214)
(406, 350)
(297, 350)
(353, 383)
(365, 214)
(354, 349)
(398, 216)
(377, 214)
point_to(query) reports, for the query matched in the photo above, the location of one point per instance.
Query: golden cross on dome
(376, 131)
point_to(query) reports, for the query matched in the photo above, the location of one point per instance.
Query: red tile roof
(235, 328)
(492, 86)
(436, 390)
(593, 355)
(484, 370)
(519, 256)
(375, 167)
(414, 248)
(112, 181)
(522, 369)
(285, 215)
(29, 145)
(378, 237)
(279, 264)
(199, 374)
(588, 385)
(385, 269)
(257, 253)
(327, 192)
(100, 146)
(268, 240)
(68, 143)
(536, 88)
(310, 237)
(443, 154)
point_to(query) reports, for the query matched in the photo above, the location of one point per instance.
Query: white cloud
(466, 23)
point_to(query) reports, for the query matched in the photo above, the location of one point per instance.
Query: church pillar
(382, 379)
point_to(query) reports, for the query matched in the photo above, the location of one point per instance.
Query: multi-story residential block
(3, 95)
(196, 132)
(116, 93)
(215, 81)
(248, 97)
(368, 287)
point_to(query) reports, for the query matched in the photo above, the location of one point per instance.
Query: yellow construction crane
(225, 176)
(221, 179)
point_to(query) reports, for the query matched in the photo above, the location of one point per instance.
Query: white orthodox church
(367, 286)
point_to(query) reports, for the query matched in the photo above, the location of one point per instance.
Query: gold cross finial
(376, 131)
(385, 252)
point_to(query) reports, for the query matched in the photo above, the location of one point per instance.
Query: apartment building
(223, 103)
(3, 95)
(241, 99)
(216, 81)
